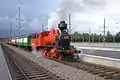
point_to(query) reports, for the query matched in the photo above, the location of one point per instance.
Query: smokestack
(62, 25)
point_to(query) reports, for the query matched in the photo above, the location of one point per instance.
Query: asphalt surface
(4, 74)
(103, 53)
(99, 52)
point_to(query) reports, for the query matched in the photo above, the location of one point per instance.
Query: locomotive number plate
(66, 37)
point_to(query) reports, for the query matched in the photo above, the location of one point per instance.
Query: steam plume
(73, 7)
(66, 7)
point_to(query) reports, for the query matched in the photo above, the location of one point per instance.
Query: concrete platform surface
(106, 45)
(4, 72)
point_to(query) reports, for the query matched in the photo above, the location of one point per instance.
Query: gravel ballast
(61, 70)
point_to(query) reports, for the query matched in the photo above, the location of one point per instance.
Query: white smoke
(74, 7)
(36, 53)
(66, 7)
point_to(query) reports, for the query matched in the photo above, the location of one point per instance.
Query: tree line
(85, 37)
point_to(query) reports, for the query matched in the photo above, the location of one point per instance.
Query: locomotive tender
(55, 43)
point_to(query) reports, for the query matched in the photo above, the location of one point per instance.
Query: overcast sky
(85, 14)
(33, 12)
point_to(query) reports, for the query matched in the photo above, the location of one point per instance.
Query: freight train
(55, 43)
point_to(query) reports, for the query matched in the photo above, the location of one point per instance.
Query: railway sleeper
(39, 77)
(30, 74)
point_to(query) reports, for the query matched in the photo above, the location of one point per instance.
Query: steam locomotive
(55, 43)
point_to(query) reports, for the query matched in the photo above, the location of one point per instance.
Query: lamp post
(83, 37)
(114, 38)
(89, 34)
(104, 33)
(45, 25)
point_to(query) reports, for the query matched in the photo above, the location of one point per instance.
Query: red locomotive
(55, 43)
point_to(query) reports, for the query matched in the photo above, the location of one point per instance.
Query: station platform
(4, 71)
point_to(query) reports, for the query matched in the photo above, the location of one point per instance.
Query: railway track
(101, 71)
(24, 69)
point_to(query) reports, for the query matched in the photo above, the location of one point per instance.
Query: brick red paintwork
(44, 38)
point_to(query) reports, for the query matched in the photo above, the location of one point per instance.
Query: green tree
(117, 37)
(109, 37)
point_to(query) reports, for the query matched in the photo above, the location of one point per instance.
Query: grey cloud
(94, 6)
(32, 12)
